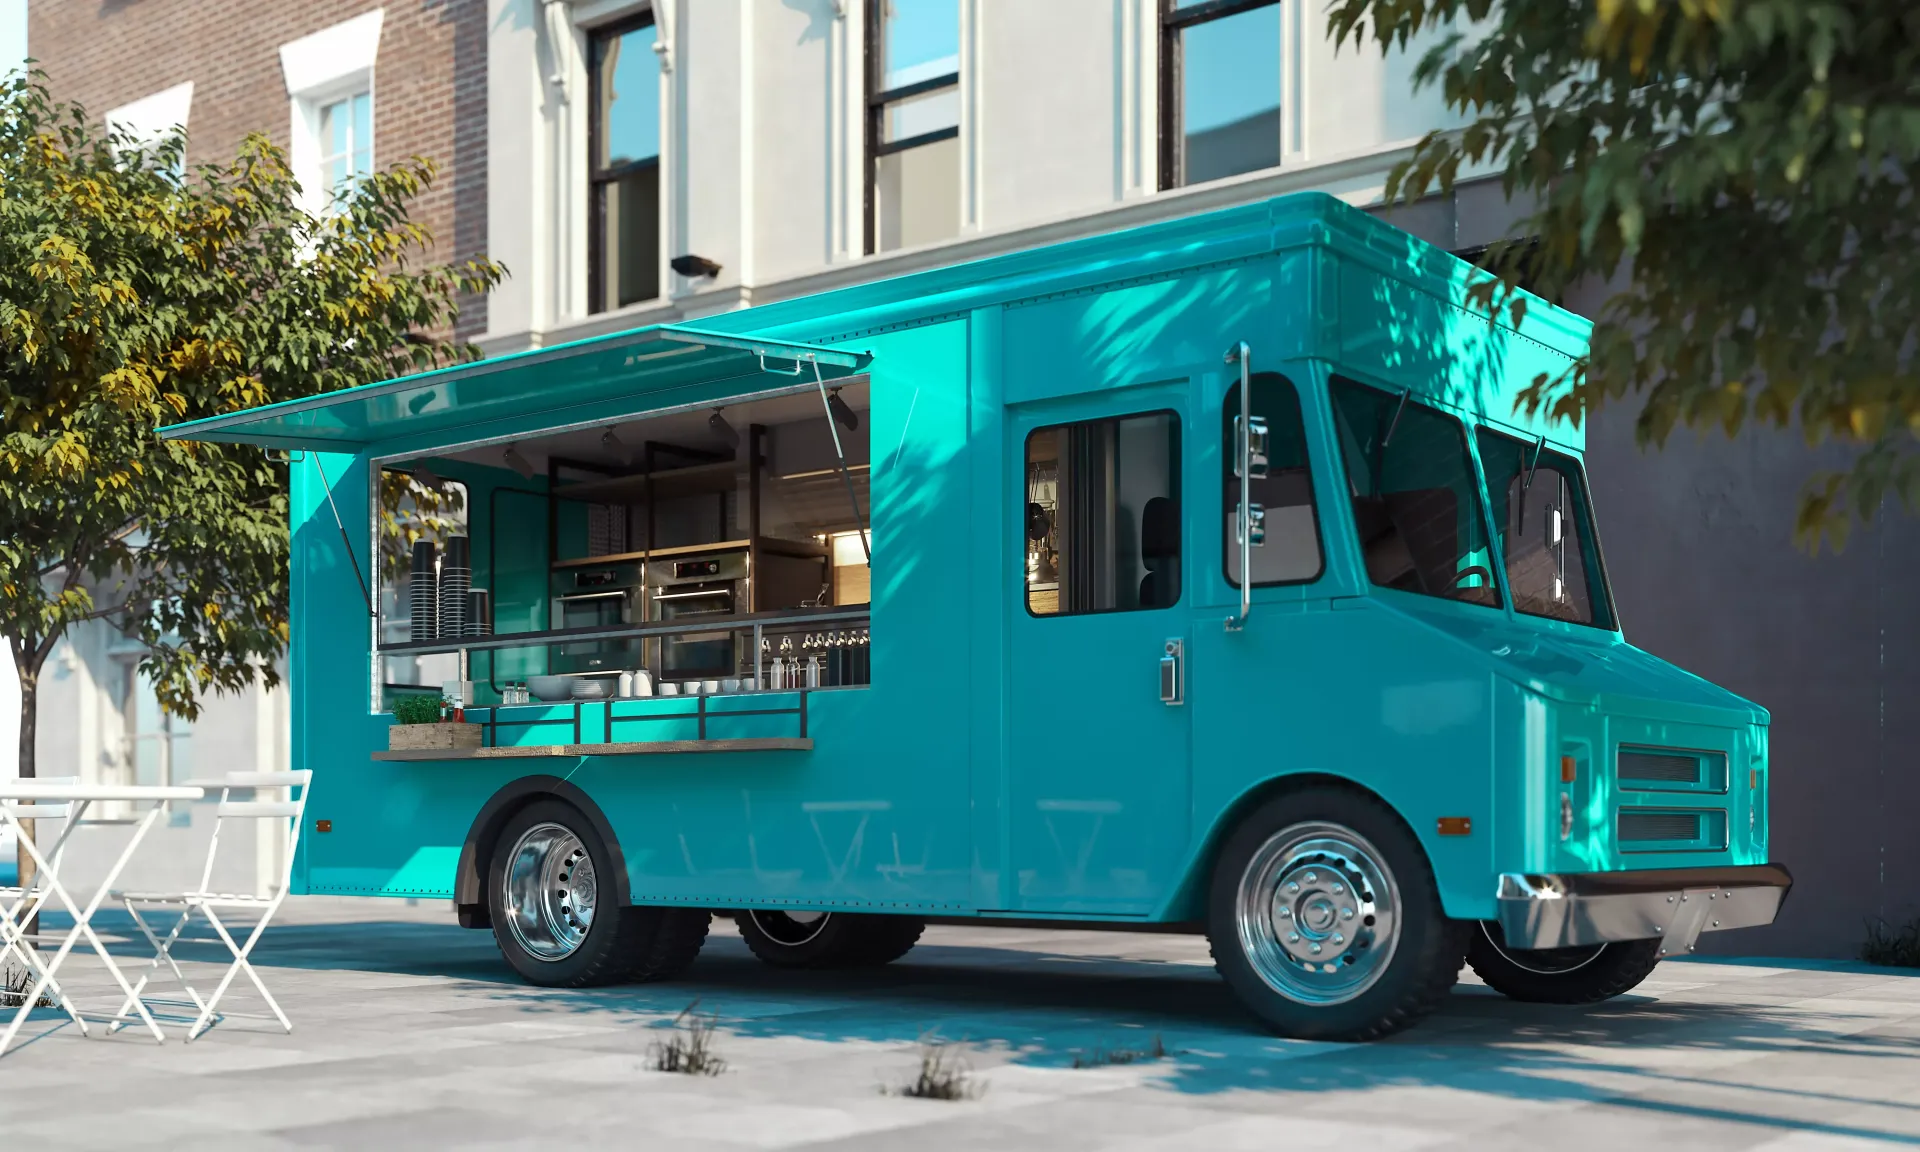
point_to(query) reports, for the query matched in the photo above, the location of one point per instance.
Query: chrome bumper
(1674, 905)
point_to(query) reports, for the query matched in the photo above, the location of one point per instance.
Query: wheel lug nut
(1312, 876)
(1338, 889)
(1316, 949)
(1293, 937)
(1292, 887)
(1286, 913)
(1339, 939)
(1346, 913)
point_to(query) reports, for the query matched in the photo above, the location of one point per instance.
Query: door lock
(1173, 681)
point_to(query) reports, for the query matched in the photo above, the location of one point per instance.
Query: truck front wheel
(547, 888)
(1585, 975)
(1325, 919)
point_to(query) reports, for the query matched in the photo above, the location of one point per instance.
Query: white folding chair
(210, 904)
(20, 903)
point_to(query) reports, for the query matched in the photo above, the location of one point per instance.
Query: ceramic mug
(709, 687)
(730, 685)
(669, 689)
(750, 684)
(690, 688)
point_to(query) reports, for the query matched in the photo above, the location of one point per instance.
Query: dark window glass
(1102, 516)
(1220, 94)
(1416, 502)
(1545, 523)
(1291, 554)
(625, 173)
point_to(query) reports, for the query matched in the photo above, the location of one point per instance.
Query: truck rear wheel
(827, 939)
(1585, 975)
(544, 891)
(1325, 919)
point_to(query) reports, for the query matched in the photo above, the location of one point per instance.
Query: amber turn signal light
(323, 825)
(1568, 769)
(1456, 825)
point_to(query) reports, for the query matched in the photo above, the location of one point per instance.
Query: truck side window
(1291, 554)
(1416, 501)
(1102, 517)
(1545, 528)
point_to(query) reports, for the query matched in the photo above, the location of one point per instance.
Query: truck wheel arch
(1189, 900)
(476, 853)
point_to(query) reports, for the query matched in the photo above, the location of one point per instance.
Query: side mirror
(1255, 434)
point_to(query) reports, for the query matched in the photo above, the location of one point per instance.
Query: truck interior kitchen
(566, 566)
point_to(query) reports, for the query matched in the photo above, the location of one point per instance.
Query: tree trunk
(28, 670)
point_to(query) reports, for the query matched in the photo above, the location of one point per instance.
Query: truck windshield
(1545, 523)
(1416, 502)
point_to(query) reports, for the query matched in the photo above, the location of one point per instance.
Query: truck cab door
(1098, 630)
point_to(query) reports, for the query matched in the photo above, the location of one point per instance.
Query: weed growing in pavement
(1103, 1057)
(689, 1051)
(1894, 947)
(14, 986)
(944, 1075)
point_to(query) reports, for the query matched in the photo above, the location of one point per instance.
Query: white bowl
(550, 688)
(584, 689)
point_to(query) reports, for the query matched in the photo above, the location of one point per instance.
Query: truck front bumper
(1673, 905)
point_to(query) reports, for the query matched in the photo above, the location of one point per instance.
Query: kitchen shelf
(723, 476)
(632, 748)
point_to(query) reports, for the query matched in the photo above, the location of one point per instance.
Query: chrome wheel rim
(551, 890)
(1544, 961)
(790, 928)
(1318, 913)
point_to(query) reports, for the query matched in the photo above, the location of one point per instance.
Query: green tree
(134, 294)
(1746, 164)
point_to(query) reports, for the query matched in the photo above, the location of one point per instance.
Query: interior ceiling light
(517, 462)
(722, 429)
(844, 413)
(610, 440)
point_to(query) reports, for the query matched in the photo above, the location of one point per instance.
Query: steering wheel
(1475, 570)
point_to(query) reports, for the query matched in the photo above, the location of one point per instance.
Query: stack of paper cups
(479, 613)
(456, 580)
(423, 594)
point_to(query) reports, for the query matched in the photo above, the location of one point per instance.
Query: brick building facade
(272, 68)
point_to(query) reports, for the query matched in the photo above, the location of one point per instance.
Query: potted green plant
(420, 722)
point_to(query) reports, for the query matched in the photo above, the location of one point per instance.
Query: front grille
(1641, 827)
(1644, 767)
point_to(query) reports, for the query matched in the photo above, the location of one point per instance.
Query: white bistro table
(43, 971)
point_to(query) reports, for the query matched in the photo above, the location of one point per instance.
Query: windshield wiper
(1520, 523)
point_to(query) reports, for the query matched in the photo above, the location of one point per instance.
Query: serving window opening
(706, 551)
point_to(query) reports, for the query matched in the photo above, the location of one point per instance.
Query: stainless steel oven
(600, 595)
(689, 591)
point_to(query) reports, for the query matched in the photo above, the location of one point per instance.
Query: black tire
(1349, 994)
(1585, 975)
(835, 940)
(619, 944)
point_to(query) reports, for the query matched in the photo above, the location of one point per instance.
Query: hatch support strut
(826, 407)
(326, 486)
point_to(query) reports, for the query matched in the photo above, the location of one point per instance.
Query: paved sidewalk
(411, 1033)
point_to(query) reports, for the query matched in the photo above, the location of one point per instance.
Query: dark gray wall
(1698, 544)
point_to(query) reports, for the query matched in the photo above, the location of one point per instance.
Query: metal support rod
(326, 486)
(1242, 447)
(859, 521)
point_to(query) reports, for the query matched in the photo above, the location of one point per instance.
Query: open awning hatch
(447, 404)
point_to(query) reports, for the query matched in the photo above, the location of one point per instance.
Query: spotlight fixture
(694, 267)
(427, 477)
(517, 462)
(842, 411)
(722, 429)
(610, 440)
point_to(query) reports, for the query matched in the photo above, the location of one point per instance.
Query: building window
(913, 123)
(346, 143)
(624, 144)
(1219, 89)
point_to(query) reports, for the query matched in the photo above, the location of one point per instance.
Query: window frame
(1173, 22)
(1475, 473)
(599, 179)
(320, 110)
(1229, 413)
(878, 101)
(1175, 473)
(1578, 471)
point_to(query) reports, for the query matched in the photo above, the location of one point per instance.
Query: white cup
(730, 685)
(750, 684)
(669, 689)
(642, 683)
(709, 687)
(690, 688)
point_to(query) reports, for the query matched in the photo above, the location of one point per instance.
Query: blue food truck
(1201, 576)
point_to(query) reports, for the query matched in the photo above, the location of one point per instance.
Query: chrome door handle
(1173, 680)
